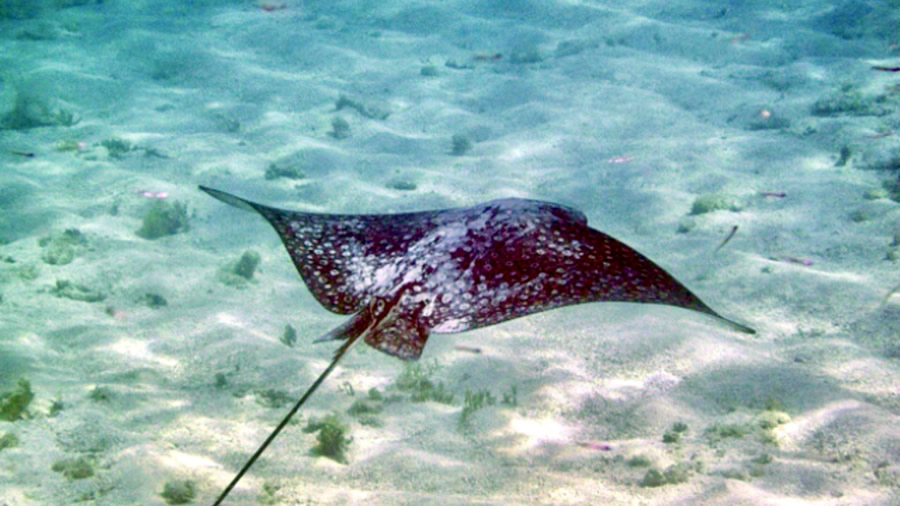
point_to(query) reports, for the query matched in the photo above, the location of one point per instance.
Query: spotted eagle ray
(406, 276)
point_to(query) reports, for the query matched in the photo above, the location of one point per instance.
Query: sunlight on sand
(175, 459)
(138, 351)
(531, 433)
(231, 320)
(792, 435)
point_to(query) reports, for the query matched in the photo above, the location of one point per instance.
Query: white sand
(629, 113)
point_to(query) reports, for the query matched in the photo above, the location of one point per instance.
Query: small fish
(470, 349)
(618, 160)
(487, 57)
(885, 69)
(777, 195)
(798, 261)
(26, 154)
(153, 195)
(116, 313)
(727, 238)
(272, 6)
(881, 135)
(595, 445)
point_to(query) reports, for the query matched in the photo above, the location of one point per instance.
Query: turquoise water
(152, 337)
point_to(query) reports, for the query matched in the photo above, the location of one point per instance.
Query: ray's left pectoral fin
(401, 335)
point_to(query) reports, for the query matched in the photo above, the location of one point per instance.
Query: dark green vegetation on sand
(332, 440)
(674, 474)
(74, 469)
(416, 381)
(14, 404)
(239, 273)
(61, 249)
(164, 218)
(179, 492)
(68, 290)
(8, 440)
(247, 264)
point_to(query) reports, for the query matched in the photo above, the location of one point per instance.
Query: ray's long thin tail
(352, 339)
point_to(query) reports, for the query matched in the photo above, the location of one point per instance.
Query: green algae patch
(460, 144)
(269, 489)
(727, 431)
(179, 491)
(670, 437)
(653, 478)
(285, 170)
(678, 473)
(367, 410)
(673, 435)
(8, 440)
(247, 264)
(164, 218)
(74, 469)
(153, 300)
(472, 402)
(340, 129)
(61, 249)
(736, 474)
(716, 202)
(101, 394)
(638, 461)
(416, 381)
(238, 274)
(850, 100)
(673, 475)
(272, 398)
(67, 290)
(771, 419)
(402, 185)
(117, 148)
(361, 407)
(14, 404)
(332, 440)
(30, 110)
(366, 110)
(289, 336)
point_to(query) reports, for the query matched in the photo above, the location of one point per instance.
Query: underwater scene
(508, 252)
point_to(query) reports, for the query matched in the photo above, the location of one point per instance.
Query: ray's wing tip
(217, 194)
(740, 327)
(228, 198)
(208, 190)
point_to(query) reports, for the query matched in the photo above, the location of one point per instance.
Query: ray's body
(406, 276)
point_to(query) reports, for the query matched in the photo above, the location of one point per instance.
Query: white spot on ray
(385, 277)
(451, 326)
